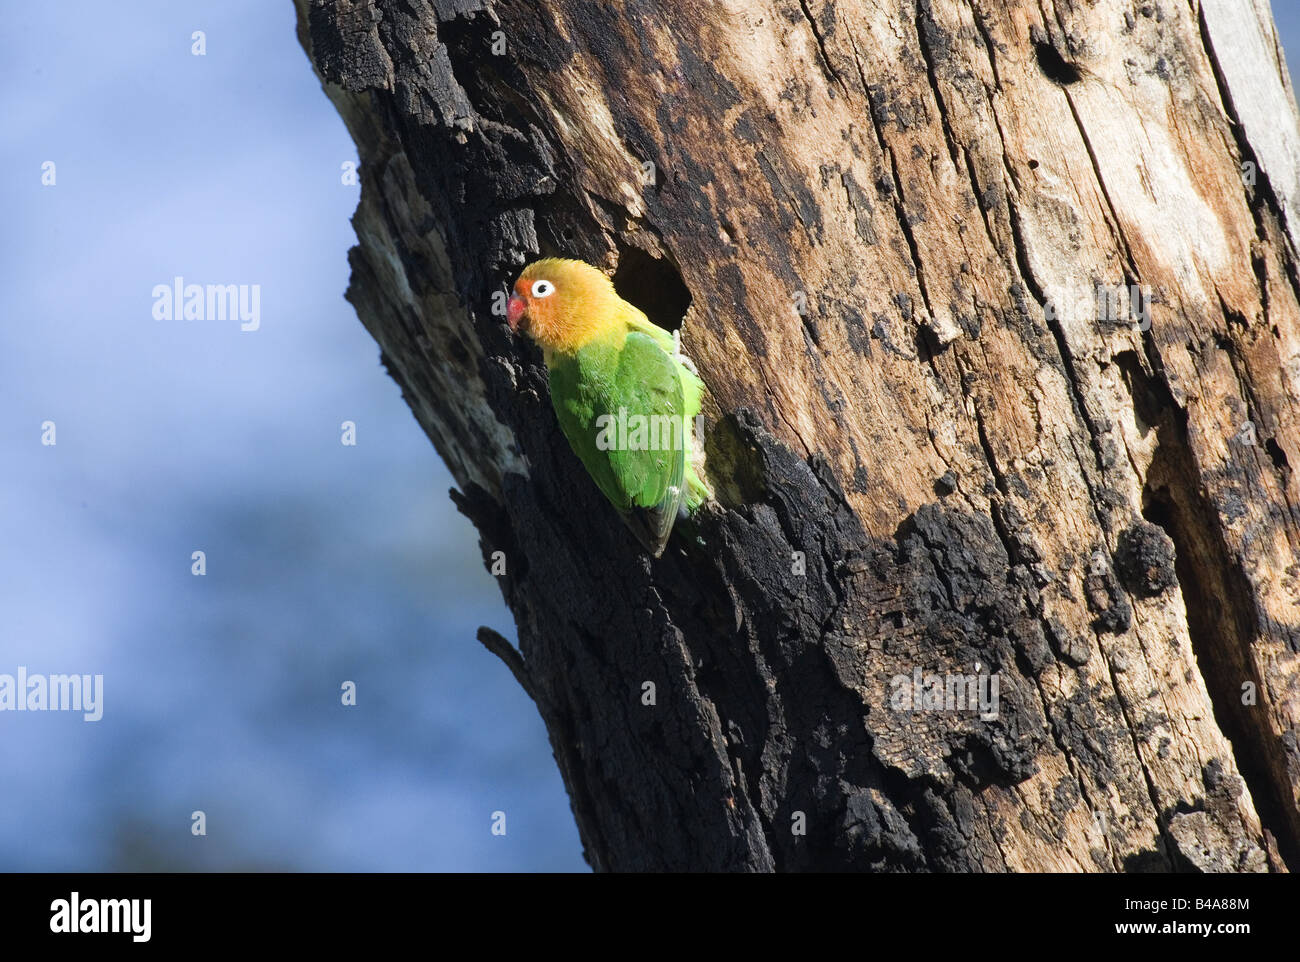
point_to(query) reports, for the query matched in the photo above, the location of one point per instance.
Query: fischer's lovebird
(624, 394)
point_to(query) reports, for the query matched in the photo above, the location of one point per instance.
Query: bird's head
(562, 304)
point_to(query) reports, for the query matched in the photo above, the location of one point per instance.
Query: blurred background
(326, 563)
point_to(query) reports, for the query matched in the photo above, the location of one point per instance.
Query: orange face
(562, 304)
(529, 302)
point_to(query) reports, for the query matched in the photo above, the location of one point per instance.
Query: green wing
(622, 411)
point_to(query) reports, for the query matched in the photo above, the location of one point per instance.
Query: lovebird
(624, 394)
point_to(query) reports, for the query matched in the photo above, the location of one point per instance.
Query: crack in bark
(821, 47)
(1116, 226)
(924, 11)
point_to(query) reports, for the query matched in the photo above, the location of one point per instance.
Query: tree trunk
(999, 310)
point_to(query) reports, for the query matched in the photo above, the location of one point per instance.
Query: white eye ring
(543, 288)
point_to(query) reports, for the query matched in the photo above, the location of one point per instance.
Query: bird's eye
(543, 288)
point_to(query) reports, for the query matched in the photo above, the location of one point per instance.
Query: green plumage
(627, 410)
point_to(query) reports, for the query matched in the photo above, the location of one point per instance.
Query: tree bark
(999, 311)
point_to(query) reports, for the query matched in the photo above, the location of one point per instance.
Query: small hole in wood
(654, 285)
(1055, 67)
(1277, 454)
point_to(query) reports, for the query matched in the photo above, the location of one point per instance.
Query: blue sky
(325, 563)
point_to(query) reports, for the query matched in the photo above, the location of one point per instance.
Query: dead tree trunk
(999, 308)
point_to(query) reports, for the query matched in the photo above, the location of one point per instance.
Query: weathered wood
(955, 460)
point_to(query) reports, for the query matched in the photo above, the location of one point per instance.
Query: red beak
(514, 312)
